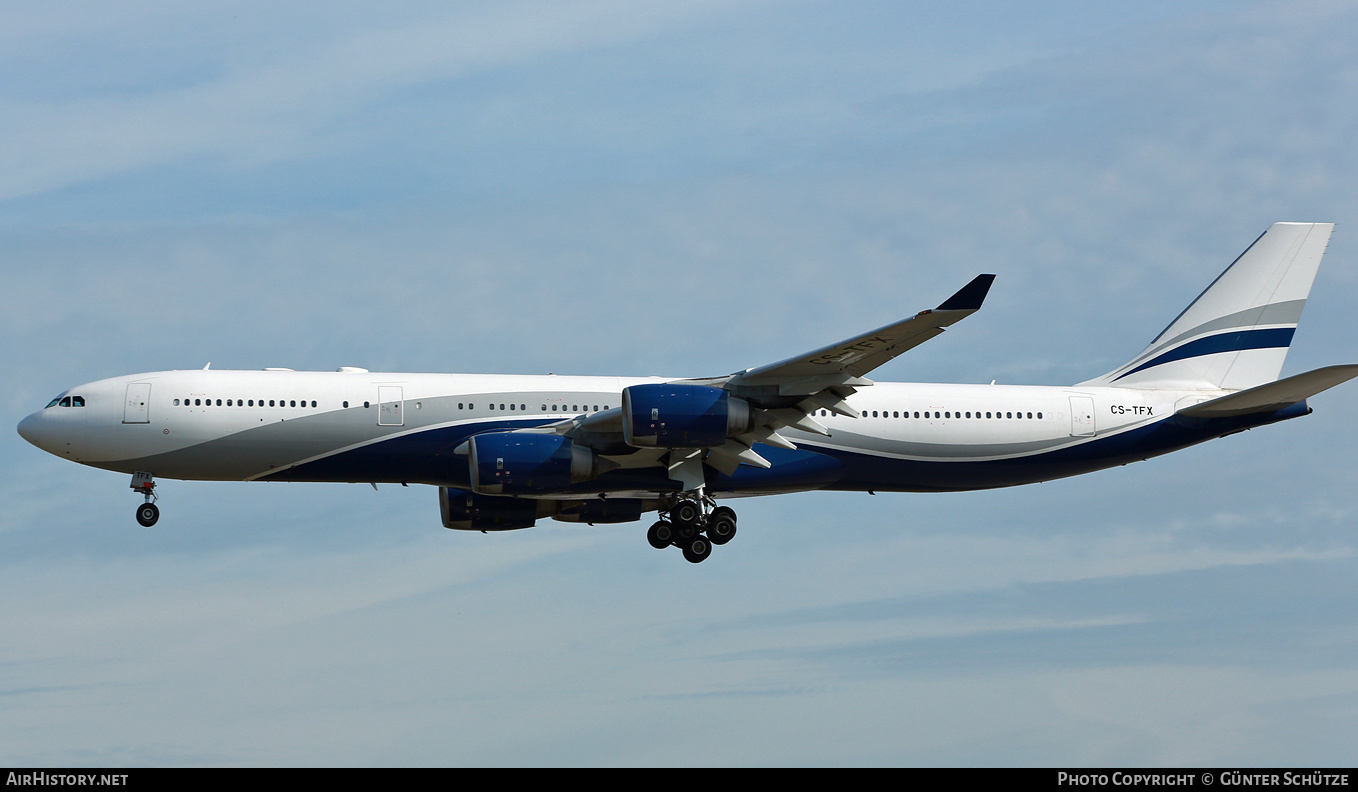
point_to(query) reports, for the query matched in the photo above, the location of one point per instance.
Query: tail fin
(1236, 334)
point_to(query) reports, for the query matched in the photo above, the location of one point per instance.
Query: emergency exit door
(137, 408)
(389, 406)
(1081, 416)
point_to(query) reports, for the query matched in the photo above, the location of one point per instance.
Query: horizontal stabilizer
(1275, 395)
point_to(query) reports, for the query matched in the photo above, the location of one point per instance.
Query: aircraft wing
(788, 392)
(783, 394)
(855, 357)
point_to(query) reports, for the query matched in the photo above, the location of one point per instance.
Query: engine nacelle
(612, 510)
(466, 511)
(669, 415)
(527, 463)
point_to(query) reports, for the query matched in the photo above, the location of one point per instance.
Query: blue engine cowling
(667, 415)
(527, 463)
(466, 511)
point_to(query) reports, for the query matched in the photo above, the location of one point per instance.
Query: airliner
(507, 451)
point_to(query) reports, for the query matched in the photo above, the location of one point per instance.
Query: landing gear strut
(145, 485)
(688, 525)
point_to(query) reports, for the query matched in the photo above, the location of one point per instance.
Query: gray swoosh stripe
(1281, 313)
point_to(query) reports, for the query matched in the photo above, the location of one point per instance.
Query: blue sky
(687, 190)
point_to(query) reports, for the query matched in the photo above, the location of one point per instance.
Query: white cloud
(259, 112)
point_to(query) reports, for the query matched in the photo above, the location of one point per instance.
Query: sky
(675, 189)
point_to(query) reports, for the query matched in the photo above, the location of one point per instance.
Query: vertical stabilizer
(1236, 334)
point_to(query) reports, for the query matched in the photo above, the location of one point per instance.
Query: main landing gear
(145, 484)
(689, 526)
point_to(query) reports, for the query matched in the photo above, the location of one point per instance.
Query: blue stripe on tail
(1226, 342)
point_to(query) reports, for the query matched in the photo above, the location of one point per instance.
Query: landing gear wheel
(661, 535)
(686, 514)
(721, 525)
(697, 550)
(147, 514)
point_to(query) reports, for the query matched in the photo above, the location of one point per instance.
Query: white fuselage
(289, 425)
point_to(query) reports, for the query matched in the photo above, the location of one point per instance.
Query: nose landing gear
(145, 485)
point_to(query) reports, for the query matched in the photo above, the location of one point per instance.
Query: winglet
(969, 297)
(855, 357)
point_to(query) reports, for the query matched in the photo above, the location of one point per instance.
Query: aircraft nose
(33, 430)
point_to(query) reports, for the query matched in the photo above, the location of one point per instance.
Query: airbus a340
(506, 451)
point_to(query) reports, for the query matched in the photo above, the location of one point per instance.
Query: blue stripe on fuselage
(424, 456)
(427, 457)
(868, 472)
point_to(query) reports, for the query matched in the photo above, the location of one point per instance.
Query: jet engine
(613, 510)
(466, 511)
(667, 415)
(528, 463)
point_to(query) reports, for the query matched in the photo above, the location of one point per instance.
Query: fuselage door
(389, 406)
(137, 408)
(1081, 416)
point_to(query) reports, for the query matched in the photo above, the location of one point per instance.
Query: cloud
(284, 105)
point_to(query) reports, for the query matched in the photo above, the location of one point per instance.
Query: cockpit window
(67, 401)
